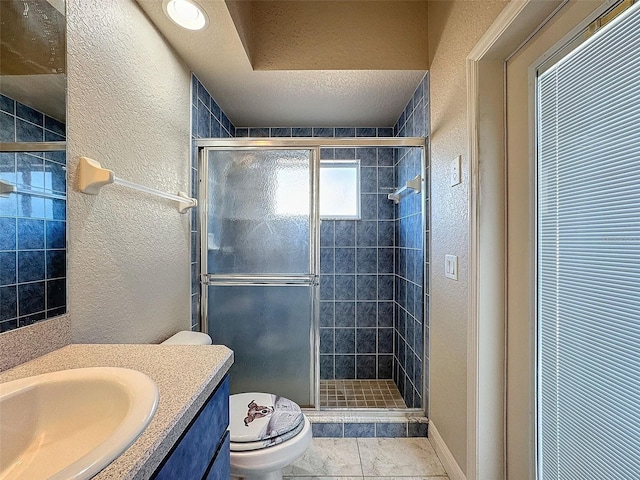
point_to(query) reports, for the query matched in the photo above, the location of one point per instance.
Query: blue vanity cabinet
(203, 450)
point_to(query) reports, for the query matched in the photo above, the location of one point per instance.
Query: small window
(340, 189)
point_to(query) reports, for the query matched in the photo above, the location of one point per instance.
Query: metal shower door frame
(315, 144)
(313, 278)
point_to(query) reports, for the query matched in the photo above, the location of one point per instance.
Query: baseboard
(446, 457)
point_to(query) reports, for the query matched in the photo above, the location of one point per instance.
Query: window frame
(342, 163)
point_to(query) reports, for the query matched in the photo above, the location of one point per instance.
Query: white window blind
(588, 258)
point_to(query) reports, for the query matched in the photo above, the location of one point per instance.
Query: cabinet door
(221, 466)
(192, 454)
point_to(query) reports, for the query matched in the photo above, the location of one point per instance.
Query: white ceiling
(302, 98)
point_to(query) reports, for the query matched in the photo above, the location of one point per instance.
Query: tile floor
(360, 394)
(368, 459)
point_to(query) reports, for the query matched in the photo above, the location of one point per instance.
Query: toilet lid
(262, 417)
(247, 446)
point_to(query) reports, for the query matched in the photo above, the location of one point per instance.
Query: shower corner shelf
(92, 177)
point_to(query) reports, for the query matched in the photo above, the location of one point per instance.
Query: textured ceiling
(296, 97)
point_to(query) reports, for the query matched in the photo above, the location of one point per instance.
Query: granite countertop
(186, 376)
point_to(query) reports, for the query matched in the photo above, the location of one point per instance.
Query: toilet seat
(262, 420)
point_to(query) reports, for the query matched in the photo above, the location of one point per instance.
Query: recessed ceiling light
(185, 13)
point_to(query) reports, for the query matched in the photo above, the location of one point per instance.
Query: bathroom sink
(72, 423)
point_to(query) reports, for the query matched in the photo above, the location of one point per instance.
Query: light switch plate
(451, 267)
(455, 171)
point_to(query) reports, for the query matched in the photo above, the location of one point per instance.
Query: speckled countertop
(186, 376)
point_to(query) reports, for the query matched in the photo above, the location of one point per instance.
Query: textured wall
(128, 108)
(333, 35)
(454, 29)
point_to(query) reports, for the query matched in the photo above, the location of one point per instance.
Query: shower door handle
(276, 280)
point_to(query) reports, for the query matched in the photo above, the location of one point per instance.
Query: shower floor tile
(360, 394)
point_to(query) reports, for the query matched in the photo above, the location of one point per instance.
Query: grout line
(360, 456)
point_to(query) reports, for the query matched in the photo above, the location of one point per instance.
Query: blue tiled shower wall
(357, 275)
(412, 257)
(207, 121)
(33, 255)
(357, 267)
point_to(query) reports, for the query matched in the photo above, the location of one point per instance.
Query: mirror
(32, 176)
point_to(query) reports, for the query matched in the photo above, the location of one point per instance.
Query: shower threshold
(341, 394)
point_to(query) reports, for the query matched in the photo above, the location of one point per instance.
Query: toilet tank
(186, 337)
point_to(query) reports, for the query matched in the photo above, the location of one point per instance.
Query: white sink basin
(72, 423)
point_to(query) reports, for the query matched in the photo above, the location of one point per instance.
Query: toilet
(267, 432)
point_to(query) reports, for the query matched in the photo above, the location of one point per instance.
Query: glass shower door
(260, 257)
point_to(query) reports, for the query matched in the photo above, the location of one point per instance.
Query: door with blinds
(588, 254)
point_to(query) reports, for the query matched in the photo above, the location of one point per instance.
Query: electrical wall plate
(456, 177)
(451, 267)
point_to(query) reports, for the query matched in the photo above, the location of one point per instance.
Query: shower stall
(313, 267)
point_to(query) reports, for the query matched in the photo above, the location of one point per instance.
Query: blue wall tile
(391, 429)
(281, 132)
(8, 302)
(366, 287)
(56, 293)
(54, 125)
(301, 132)
(52, 137)
(327, 261)
(29, 114)
(367, 260)
(345, 132)
(327, 367)
(417, 429)
(366, 132)
(30, 234)
(345, 366)
(327, 153)
(366, 314)
(8, 268)
(345, 314)
(7, 127)
(345, 233)
(345, 340)
(359, 430)
(366, 367)
(28, 132)
(31, 298)
(7, 104)
(385, 366)
(56, 263)
(331, 430)
(323, 132)
(56, 234)
(345, 260)
(31, 266)
(259, 132)
(327, 314)
(327, 340)
(7, 233)
(366, 340)
(345, 287)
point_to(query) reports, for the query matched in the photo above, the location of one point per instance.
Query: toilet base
(277, 475)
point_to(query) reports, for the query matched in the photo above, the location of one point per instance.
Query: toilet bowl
(268, 432)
